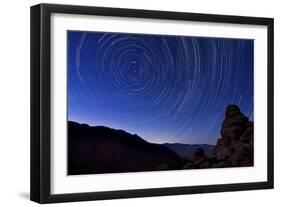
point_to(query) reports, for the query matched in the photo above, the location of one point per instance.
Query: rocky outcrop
(104, 150)
(234, 148)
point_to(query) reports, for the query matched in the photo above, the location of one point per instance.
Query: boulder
(235, 147)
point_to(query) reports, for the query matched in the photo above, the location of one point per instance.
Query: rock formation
(233, 149)
(104, 150)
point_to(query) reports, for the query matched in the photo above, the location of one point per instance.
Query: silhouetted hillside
(187, 151)
(105, 150)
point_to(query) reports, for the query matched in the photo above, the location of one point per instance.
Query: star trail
(163, 88)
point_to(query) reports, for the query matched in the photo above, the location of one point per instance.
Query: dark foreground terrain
(104, 150)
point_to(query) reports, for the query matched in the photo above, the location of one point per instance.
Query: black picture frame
(40, 102)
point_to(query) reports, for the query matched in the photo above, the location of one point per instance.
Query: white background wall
(14, 102)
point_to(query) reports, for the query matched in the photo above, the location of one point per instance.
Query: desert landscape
(99, 149)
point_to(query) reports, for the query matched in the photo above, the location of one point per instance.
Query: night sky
(163, 88)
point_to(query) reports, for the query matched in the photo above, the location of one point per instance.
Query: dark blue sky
(163, 88)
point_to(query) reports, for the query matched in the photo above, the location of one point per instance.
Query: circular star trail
(163, 88)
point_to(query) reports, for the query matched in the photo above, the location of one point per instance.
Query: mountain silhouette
(101, 149)
(187, 151)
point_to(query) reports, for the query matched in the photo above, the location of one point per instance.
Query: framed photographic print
(133, 103)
